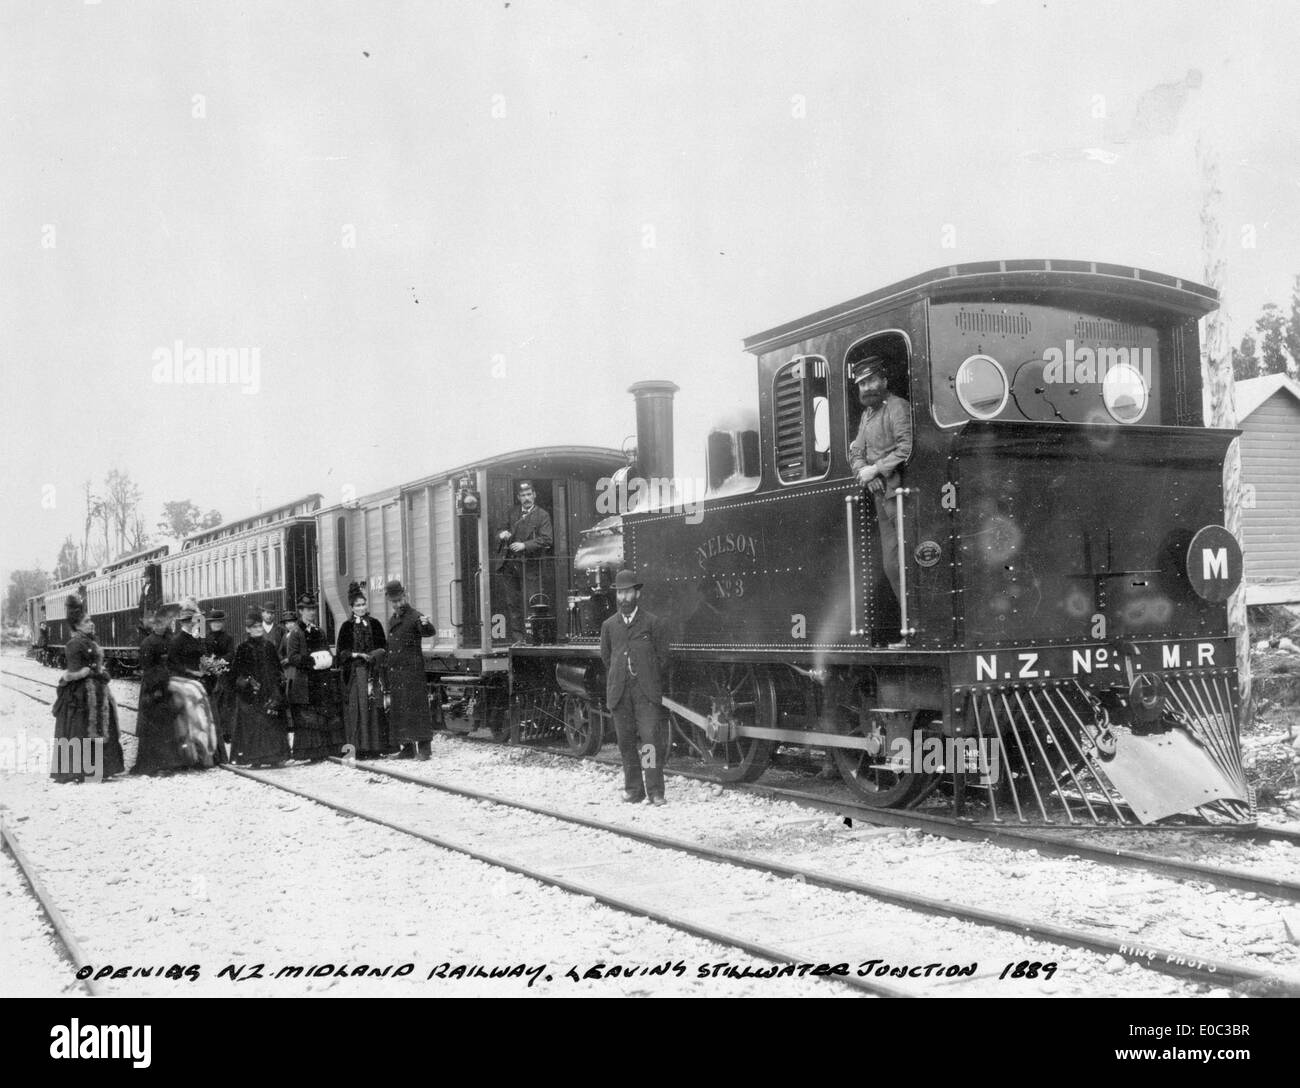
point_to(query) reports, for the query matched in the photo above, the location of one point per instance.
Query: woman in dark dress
(258, 728)
(195, 724)
(305, 653)
(409, 719)
(86, 740)
(159, 750)
(360, 654)
(220, 647)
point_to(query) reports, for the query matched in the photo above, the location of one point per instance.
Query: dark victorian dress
(365, 725)
(194, 723)
(159, 747)
(409, 717)
(220, 689)
(317, 728)
(86, 740)
(259, 730)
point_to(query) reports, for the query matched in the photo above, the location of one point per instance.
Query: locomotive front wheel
(739, 694)
(582, 729)
(867, 772)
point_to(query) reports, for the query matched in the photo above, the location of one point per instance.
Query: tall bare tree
(1216, 371)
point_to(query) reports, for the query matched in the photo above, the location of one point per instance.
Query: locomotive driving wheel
(875, 774)
(583, 729)
(729, 696)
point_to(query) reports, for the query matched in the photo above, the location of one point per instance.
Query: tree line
(1273, 346)
(114, 524)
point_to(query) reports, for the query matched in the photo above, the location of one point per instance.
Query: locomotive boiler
(1058, 645)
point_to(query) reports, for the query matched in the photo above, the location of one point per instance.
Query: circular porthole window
(1124, 392)
(982, 386)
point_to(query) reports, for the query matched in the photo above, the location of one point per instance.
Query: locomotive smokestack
(654, 428)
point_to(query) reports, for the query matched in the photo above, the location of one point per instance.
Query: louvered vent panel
(999, 324)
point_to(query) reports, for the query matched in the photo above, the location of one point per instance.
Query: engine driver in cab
(882, 447)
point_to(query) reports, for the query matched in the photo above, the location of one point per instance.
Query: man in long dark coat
(634, 649)
(410, 721)
(525, 542)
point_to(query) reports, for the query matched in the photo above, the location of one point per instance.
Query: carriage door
(471, 570)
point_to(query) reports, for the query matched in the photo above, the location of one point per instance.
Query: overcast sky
(473, 238)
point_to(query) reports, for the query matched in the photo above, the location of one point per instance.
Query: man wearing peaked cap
(882, 447)
(634, 648)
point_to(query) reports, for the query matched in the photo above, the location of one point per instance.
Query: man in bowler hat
(634, 648)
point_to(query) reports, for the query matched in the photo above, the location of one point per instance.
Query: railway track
(763, 950)
(1163, 961)
(1060, 842)
(62, 930)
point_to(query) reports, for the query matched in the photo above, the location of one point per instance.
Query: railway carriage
(437, 535)
(1063, 563)
(266, 557)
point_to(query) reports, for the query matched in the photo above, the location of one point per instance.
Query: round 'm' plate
(1214, 563)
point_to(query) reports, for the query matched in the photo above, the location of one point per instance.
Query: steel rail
(1162, 960)
(618, 903)
(1016, 838)
(51, 911)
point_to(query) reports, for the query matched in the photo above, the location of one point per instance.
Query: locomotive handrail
(850, 501)
(903, 628)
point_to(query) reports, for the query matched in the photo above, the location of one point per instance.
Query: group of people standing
(275, 696)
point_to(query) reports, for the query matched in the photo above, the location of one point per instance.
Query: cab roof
(994, 278)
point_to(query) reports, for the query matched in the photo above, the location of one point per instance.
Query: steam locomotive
(1058, 647)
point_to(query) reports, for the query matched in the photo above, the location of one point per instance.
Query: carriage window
(801, 419)
(275, 553)
(341, 544)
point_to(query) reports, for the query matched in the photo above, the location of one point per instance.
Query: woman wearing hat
(317, 731)
(220, 647)
(409, 719)
(362, 648)
(258, 732)
(85, 715)
(158, 751)
(195, 725)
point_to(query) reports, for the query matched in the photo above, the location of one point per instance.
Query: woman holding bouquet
(258, 729)
(86, 740)
(360, 654)
(194, 723)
